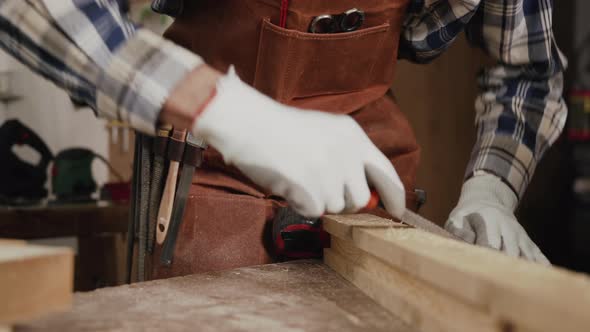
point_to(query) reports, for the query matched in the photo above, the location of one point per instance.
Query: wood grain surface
(34, 281)
(298, 296)
(517, 293)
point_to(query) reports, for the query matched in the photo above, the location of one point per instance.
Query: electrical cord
(110, 167)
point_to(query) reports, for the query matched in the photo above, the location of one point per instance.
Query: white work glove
(318, 162)
(485, 216)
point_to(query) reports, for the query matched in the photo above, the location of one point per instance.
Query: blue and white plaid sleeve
(91, 50)
(520, 111)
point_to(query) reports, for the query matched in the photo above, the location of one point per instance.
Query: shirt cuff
(504, 157)
(139, 78)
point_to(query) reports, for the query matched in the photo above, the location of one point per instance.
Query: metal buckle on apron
(171, 8)
(348, 21)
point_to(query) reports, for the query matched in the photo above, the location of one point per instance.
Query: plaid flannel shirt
(520, 111)
(91, 50)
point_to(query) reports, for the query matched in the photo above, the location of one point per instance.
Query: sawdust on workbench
(298, 296)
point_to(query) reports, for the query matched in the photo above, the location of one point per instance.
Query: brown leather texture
(219, 232)
(227, 216)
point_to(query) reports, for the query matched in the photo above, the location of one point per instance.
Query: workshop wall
(438, 99)
(580, 58)
(50, 113)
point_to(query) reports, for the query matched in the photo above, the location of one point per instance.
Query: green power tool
(71, 177)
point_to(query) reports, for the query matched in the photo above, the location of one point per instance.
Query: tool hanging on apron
(192, 158)
(227, 219)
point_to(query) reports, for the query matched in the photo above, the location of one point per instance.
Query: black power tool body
(21, 182)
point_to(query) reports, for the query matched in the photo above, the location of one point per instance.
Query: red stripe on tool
(373, 201)
(280, 243)
(284, 9)
(578, 135)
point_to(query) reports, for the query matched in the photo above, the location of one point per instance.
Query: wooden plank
(345, 226)
(520, 293)
(416, 302)
(12, 242)
(34, 281)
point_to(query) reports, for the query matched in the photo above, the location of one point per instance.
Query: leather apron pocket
(295, 65)
(219, 231)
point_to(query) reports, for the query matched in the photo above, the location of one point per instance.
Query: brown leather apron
(227, 219)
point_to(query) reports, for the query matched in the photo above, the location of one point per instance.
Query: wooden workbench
(297, 296)
(419, 281)
(99, 229)
(48, 221)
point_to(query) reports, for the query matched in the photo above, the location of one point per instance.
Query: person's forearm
(27, 33)
(190, 97)
(430, 27)
(520, 110)
(520, 114)
(128, 75)
(139, 70)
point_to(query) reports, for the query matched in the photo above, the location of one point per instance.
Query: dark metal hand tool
(134, 210)
(144, 177)
(348, 21)
(193, 157)
(413, 219)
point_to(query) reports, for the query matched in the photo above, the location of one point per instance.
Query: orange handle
(373, 201)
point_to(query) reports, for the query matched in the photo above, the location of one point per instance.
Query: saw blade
(417, 221)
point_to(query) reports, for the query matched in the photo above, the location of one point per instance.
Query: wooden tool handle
(175, 151)
(167, 202)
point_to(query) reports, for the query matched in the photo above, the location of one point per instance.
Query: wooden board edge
(12, 242)
(419, 304)
(36, 286)
(481, 277)
(342, 227)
